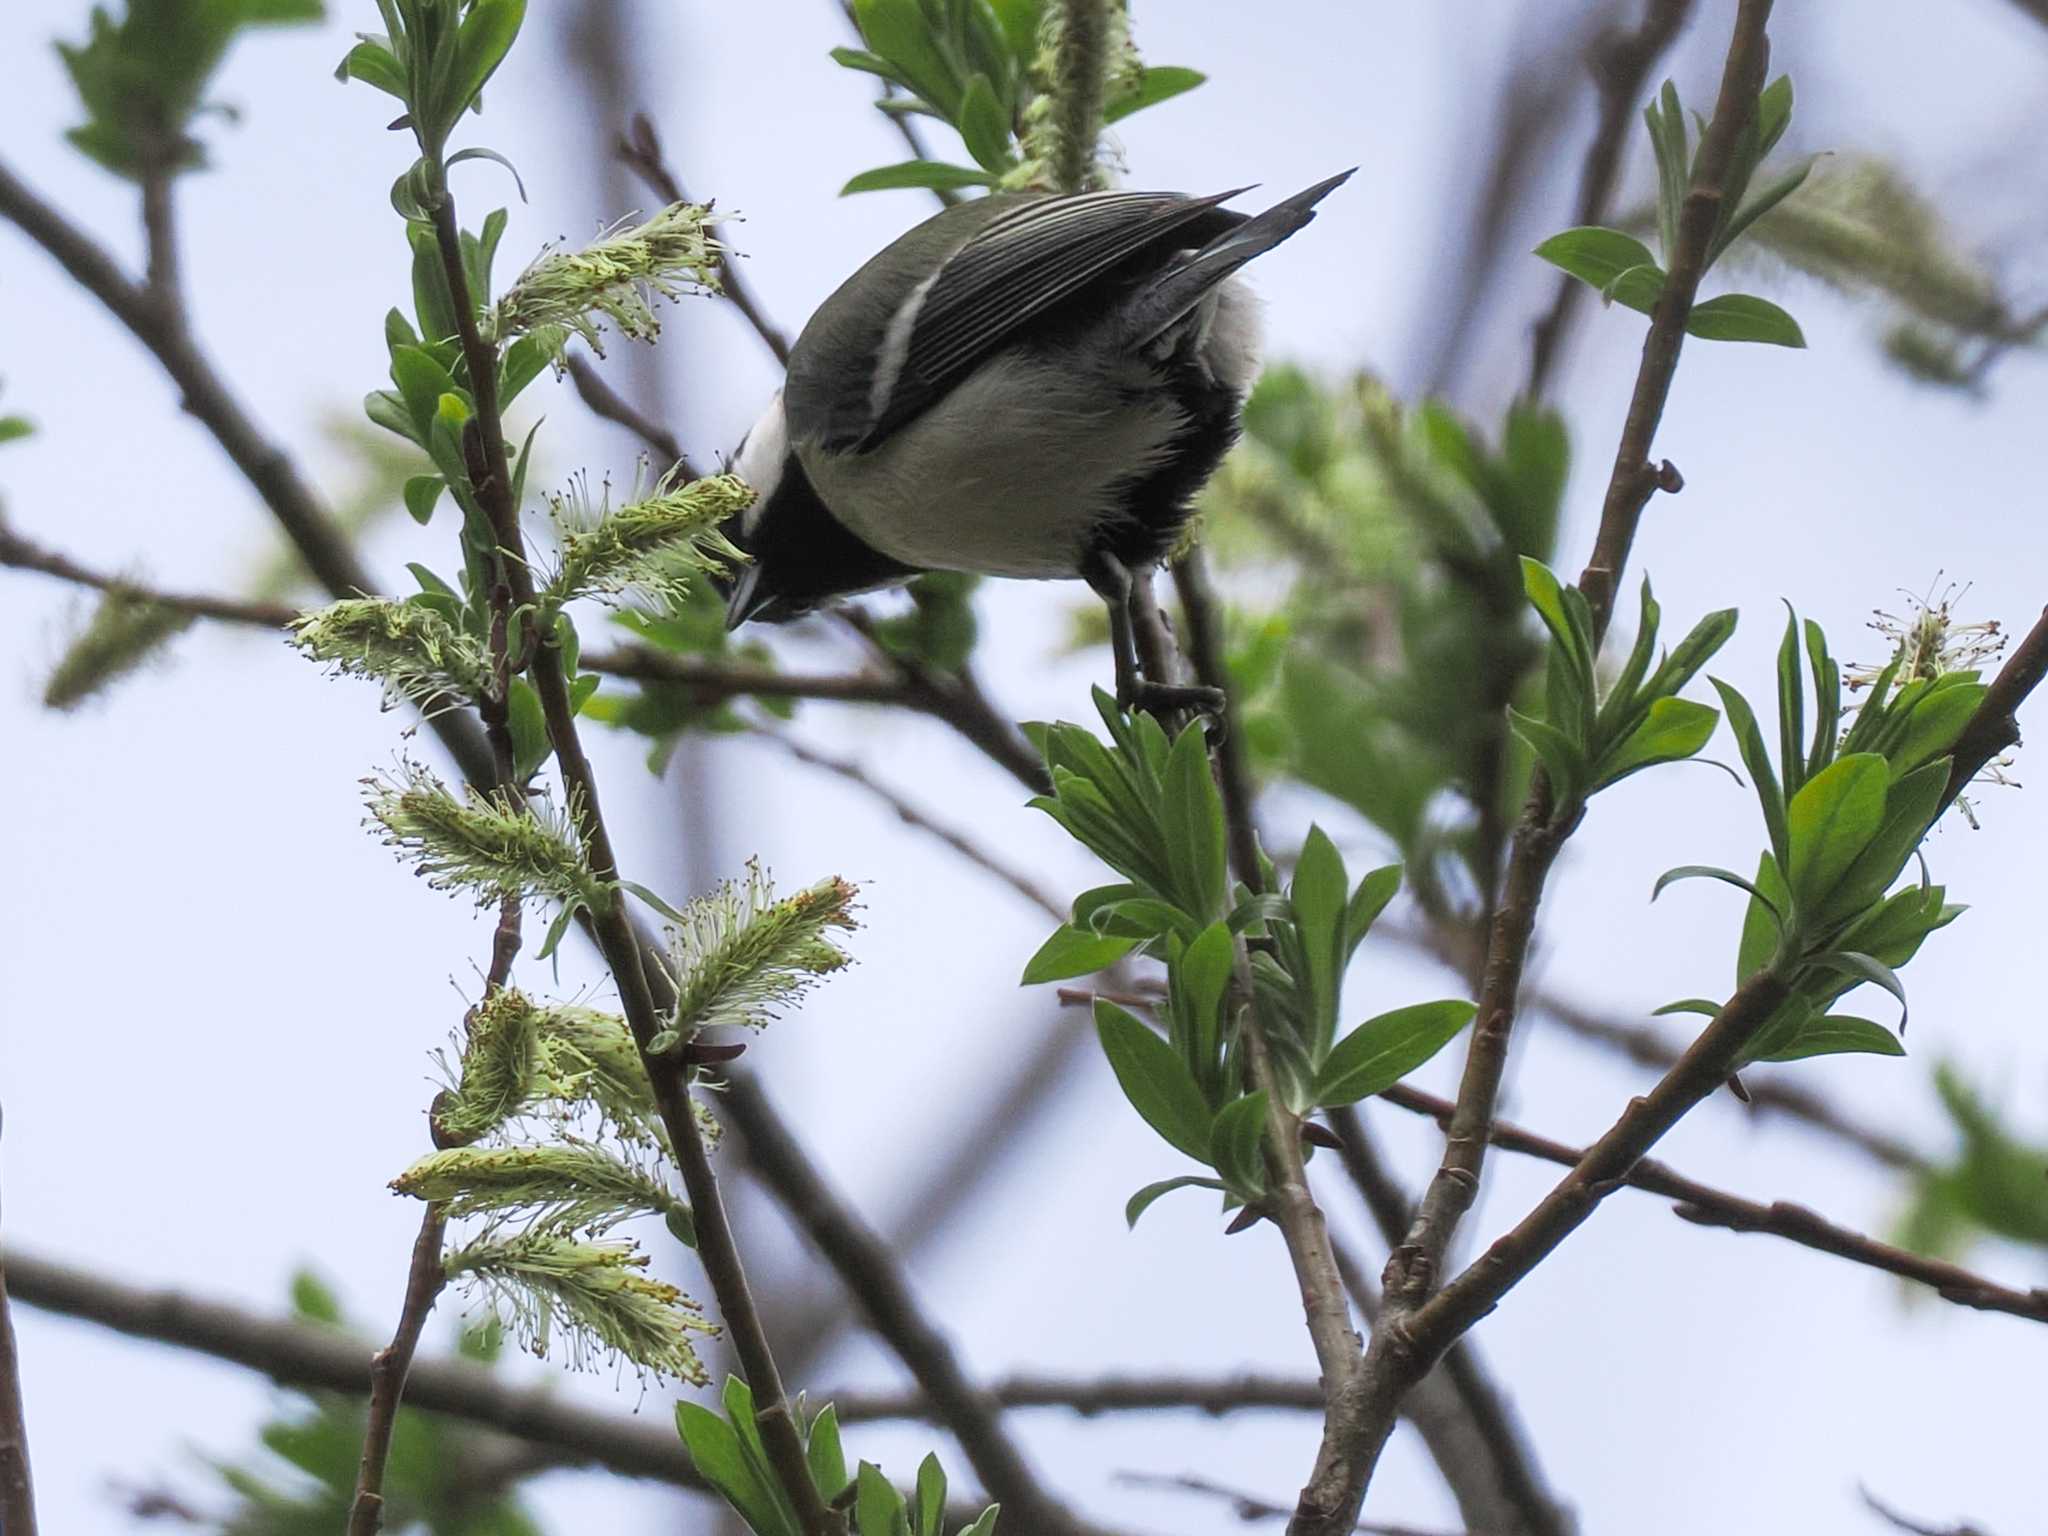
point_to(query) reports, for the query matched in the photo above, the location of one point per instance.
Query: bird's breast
(1012, 473)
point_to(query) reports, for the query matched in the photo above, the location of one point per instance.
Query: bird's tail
(1181, 288)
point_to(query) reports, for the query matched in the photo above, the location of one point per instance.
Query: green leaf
(1755, 207)
(1725, 876)
(421, 492)
(1142, 1201)
(386, 408)
(1830, 822)
(479, 153)
(1935, 724)
(313, 1301)
(898, 31)
(1835, 1035)
(1701, 1005)
(1019, 20)
(827, 1460)
(1673, 729)
(1074, 952)
(1791, 708)
(1155, 1080)
(931, 1497)
(869, 63)
(531, 745)
(1156, 84)
(1383, 1050)
(653, 899)
(1602, 257)
(1862, 967)
(1827, 700)
(422, 381)
(1546, 596)
(877, 1506)
(715, 1448)
(1562, 757)
(1234, 1145)
(1200, 980)
(985, 127)
(1910, 806)
(917, 173)
(1192, 814)
(1318, 894)
(1743, 317)
(1692, 653)
(1750, 740)
(985, 1523)
(374, 65)
(1366, 904)
(1763, 924)
(486, 37)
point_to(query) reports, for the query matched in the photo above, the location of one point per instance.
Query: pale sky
(218, 993)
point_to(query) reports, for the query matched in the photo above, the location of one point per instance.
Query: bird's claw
(1174, 698)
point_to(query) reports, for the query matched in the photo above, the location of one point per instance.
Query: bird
(1028, 385)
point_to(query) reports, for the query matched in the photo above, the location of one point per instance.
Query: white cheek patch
(760, 459)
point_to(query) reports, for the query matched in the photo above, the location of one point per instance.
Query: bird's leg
(1112, 582)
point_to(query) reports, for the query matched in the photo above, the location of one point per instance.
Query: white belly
(1009, 475)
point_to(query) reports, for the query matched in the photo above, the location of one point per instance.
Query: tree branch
(1249, 1506)
(24, 555)
(425, 1280)
(1705, 1206)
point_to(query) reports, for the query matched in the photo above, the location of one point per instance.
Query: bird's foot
(1172, 698)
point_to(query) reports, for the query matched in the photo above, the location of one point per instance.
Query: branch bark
(17, 1490)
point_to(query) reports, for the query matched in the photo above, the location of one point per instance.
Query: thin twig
(607, 402)
(640, 148)
(1892, 1517)
(714, 682)
(1620, 63)
(1249, 1506)
(1204, 615)
(1707, 1206)
(23, 555)
(425, 1279)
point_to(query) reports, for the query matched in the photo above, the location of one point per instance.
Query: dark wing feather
(1026, 261)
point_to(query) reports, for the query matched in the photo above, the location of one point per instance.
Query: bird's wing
(1024, 262)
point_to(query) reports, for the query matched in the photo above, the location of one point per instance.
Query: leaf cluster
(1587, 742)
(1624, 271)
(1150, 810)
(1845, 811)
(979, 66)
(727, 1449)
(143, 79)
(435, 57)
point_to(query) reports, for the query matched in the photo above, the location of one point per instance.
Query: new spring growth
(123, 633)
(740, 956)
(654, 545)
(490, 845)
(1084, 47)
(596, 1293)
(564, 1186)
(417, 655)
(521, 1057)
(616, 277)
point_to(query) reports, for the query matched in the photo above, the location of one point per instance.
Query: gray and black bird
(1023, 385)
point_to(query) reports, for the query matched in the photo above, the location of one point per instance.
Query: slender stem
(388, 1368)
(613, 929)
(1233, 767)
(1080, 85)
